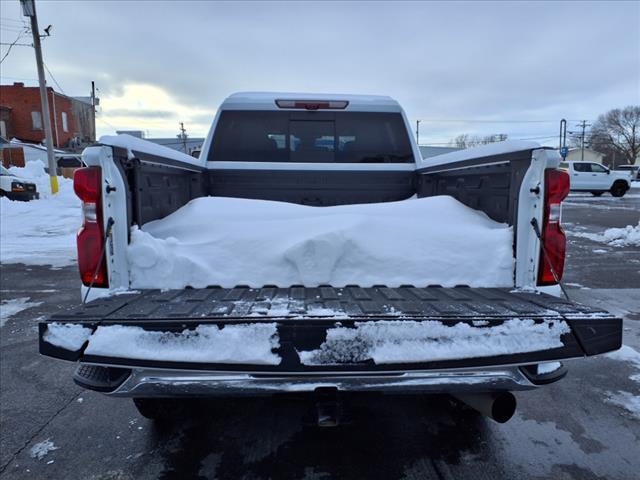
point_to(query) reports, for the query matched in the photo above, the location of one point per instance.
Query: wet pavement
(568, 430)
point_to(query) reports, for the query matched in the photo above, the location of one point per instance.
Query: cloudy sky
(477, 68)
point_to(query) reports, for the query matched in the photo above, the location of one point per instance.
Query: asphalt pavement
(567, 430)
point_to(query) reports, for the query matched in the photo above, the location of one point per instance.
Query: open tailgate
(328, 329)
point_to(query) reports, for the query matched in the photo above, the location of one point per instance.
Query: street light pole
(418, 132)
(29, 10)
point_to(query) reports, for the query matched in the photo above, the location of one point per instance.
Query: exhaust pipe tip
(498, 406)
(503, 408)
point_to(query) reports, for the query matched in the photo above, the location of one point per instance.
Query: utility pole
(93, 108)
(418, 132)
(29, 10)
(183, 136)
(583, 125)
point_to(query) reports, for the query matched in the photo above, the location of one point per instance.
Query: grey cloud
(441, 60)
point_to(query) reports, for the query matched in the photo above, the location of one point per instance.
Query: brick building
(72, 119)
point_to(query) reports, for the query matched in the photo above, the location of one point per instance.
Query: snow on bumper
(330, 345)
(387, 342)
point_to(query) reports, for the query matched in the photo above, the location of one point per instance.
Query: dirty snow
(40, 232)
(409, 341)
(67, 335)
(628, 236)
(40, 450)
(231, 241)
(629, 355)
(238, 344)
(626, 400)
(9, 308)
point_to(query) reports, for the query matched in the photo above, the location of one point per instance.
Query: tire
(596, 194)
(158, 409)
(619, 189)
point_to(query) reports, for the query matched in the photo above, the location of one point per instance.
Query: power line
(12, 44)
(53, 78)
(16, 20)
(17, 44)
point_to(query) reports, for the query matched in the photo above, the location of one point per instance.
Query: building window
(3, 129)
(36, 120)
(65, 125)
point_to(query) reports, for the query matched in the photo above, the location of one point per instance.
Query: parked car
(16, 188)
(318, 339)
(596, 178)
(634, 169)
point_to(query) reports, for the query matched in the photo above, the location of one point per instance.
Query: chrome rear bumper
(181, 383)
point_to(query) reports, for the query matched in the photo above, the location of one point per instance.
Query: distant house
(17, 153)
(575, 155)
(427, 151)
(72, 118)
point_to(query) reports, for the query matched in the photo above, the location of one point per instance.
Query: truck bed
(303, 316)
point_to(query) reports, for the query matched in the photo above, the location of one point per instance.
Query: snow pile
(66, 335)
(408, 341)
(40, 450)
(8, 308)
(231, 241)
(40, 232)
(238, 344)
(628, 236)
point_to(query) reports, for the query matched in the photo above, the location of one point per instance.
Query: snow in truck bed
(230, 241)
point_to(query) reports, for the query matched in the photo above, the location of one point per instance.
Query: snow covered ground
(230, 241)
(626, 400)
(9, 308)
(617, 237)
(40, 232)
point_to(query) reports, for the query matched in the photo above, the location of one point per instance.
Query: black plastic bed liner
(303, 316)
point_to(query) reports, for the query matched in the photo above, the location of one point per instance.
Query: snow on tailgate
(408, 341)
(238, 344)
(231, 241)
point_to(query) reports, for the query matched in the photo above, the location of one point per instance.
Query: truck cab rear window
(311, 137)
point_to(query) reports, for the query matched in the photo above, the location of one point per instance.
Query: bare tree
(464, 140)
(617, 135)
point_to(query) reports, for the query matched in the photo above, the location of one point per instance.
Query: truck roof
(267, 101)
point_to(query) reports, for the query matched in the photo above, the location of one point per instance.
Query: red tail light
(87, 183)
(553, 236)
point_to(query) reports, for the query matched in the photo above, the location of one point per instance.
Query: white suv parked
(596, 178)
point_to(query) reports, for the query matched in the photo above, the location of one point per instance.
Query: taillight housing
(313, 104)
(87, 183)
(554, 240)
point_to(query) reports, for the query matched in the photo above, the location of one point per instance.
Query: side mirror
(608, 172)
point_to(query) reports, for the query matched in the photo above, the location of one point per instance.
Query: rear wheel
(618, 189)
(596, 194)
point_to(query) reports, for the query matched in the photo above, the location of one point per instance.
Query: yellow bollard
(54, 184)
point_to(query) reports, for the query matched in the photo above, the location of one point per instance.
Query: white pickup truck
(596, 178)
(476, 341)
